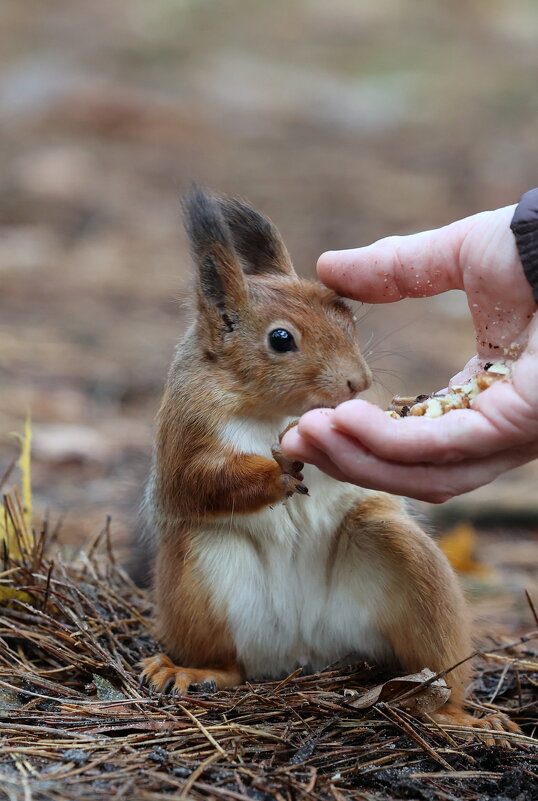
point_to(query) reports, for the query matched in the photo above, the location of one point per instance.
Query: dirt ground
(343, 121)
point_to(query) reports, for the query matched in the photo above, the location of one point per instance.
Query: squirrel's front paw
(291, 478)
(287, 466)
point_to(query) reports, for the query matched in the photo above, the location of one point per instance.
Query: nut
(459, 397)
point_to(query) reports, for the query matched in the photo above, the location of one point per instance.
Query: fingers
(398, 267)
(293, 443)
(338, 455)
(500, 419)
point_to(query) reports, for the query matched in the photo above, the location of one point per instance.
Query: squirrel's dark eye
(281, 340)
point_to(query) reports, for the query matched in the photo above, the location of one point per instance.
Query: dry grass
(77, 725)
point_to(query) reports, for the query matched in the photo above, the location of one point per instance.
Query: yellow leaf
(8, 594)
(24, 464)
(16, 515)
(459, 545)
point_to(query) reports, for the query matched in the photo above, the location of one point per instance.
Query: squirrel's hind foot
(488, 729)
(162, 675)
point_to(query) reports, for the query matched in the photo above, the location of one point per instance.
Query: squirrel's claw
(487, 729)
(287, 465)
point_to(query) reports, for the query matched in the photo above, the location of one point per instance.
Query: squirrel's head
(280, 344)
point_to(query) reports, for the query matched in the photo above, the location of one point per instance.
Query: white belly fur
(268, 573)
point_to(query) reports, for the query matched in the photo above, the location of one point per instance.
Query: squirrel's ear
(221, 285)
(256, 239)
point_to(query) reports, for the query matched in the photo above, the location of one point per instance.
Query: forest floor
(77, 725)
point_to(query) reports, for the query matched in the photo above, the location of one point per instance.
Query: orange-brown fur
(179, 626)
(211, 479)
(222, 371)
(426, 621)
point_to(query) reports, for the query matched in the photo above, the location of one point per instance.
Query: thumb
(398, 267)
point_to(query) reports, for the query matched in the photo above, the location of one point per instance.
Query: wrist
(524, 226)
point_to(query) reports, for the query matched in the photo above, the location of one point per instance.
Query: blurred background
(343, 121)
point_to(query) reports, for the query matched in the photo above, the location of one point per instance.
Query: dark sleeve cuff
(525, 227)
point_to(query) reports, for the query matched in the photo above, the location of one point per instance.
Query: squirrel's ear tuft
(256, 239)
(221, 286)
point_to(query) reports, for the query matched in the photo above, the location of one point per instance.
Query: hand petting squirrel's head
(281, 345)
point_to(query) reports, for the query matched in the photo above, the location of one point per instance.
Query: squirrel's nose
(358, 380)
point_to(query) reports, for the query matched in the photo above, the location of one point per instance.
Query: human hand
(433, 459)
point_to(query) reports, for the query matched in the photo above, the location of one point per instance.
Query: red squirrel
(263, 564)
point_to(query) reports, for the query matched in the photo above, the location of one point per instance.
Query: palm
(499, 296)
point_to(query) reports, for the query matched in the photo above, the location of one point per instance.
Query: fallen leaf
(459, 545)
(9, 699)
(426, 700)
(8, 594)
(106, 691)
